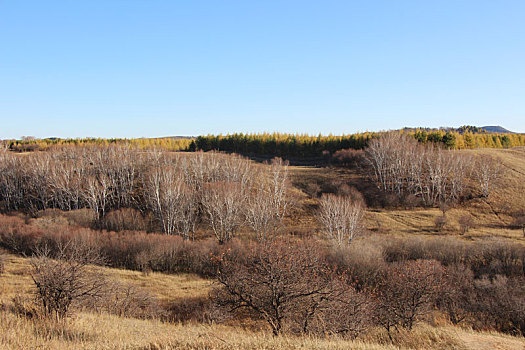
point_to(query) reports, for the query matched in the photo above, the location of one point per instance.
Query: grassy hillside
(103, 331)
(21, 327)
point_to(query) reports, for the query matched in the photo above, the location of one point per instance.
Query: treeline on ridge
(282, 144)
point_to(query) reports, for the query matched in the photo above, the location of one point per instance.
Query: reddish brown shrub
(126, 300)
(501, 304)
(275, 281)
(348, 157)
(407, 293)
(362, 262)
(124, 219)
(440, 222)
(188, 309)
(520, 223)
(466, 222)
(62, 277)
(313, 189)
(457, 293)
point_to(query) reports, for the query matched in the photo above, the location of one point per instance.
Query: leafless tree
(172, 201)
(38, 169)
(401, 166)
(12, 178)
(408, 292)
(380, 155)
(487, 172)
(275, 280)
(268, 201)
(64, 278)
(223, 203)
(97, 194)
(66, 178)
(341, 217)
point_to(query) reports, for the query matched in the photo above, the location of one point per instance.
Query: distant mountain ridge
(497, 129)
(492, 129)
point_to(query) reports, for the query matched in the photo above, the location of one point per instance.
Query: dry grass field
(87, 330)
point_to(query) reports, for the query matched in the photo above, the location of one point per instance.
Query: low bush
(124, 219)
(501, 304)
(189, 309)
(458, 293)
(126, 300)
(440, 222)
(63, 279)
(466, 222)
(492, 257)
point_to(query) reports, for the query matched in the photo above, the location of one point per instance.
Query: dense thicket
(282, 145)
(178, 190)
(425, 173)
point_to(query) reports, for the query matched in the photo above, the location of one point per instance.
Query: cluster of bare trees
(70, 178)
(341, 217)
(402, 166)
(181, 190)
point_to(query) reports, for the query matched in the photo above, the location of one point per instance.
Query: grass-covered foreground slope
(99, 330)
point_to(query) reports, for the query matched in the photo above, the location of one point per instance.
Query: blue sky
(133, 68)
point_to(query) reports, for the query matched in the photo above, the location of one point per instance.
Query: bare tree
(379, 154)
(97, 194)
(268, 202)
(66, 178)
(408, 292)
(223, 203)
(12, 178)
(487, 172)
(400, 166)
(63, 278)
(276, 281)
(341, 217)
(172, 201)
(38, 168)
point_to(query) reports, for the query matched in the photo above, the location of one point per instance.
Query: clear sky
(133, 68)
